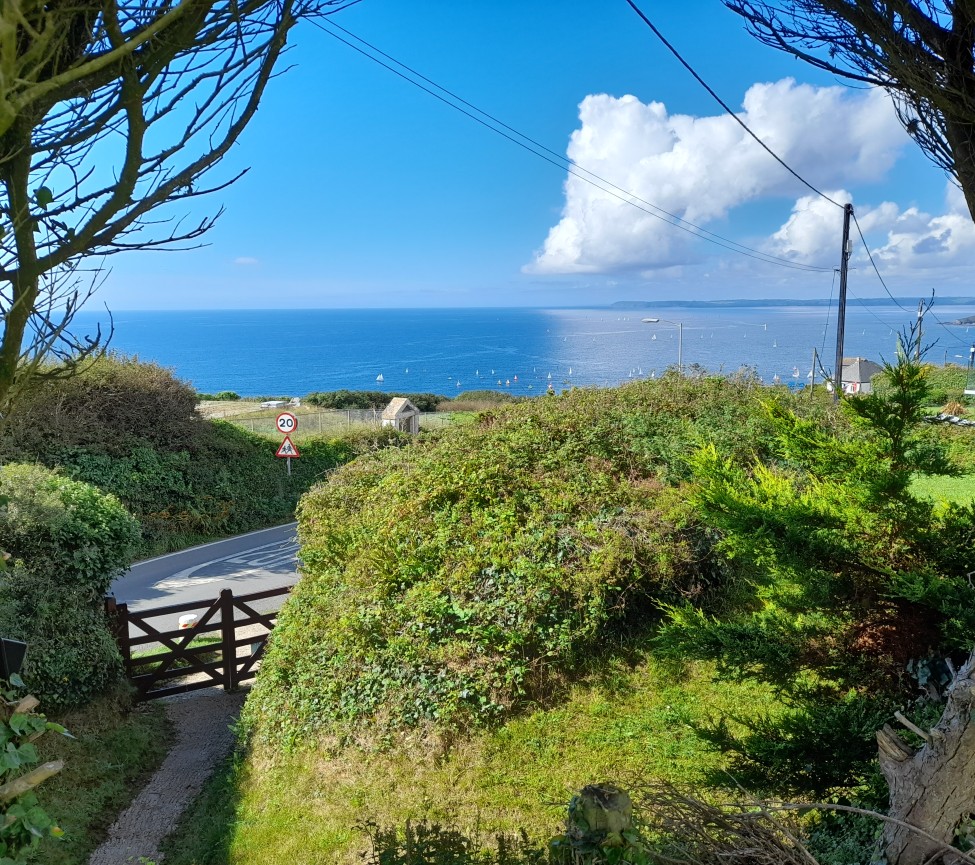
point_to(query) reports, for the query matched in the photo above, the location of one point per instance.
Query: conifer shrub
(842, 580)
(455, 581)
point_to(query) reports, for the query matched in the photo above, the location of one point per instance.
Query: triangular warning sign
(288, 449)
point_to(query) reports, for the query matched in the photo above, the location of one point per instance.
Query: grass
(150, 657)
(311, 806)
(113, 753)
(328, 422)
(961, 490)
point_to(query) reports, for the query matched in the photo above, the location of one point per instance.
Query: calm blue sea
(294, 352)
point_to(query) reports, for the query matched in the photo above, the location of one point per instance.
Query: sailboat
(570, 370)
(379, 377)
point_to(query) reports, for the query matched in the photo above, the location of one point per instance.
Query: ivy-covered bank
(453, 582)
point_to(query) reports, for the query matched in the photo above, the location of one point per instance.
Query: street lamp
(680, 339)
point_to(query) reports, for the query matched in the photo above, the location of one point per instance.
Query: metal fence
(335, 421)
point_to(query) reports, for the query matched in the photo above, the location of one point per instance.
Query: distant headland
(910, 302)
(968, 319)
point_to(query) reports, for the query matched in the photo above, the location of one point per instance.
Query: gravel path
(202, 722)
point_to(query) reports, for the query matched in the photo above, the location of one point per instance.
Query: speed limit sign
(286, 422)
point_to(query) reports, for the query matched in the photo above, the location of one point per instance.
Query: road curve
(265, 559)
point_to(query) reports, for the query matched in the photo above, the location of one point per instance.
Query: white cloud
(246, 261)
(900, 240)
(700, 168)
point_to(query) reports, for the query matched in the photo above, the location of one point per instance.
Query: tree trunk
(932, 788)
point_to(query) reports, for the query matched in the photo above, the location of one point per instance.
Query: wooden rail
(214, 662)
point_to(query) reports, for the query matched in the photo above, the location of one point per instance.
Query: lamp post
(680, 339)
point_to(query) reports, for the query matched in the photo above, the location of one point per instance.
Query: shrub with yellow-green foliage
(452, 582)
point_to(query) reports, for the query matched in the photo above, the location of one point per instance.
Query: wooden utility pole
(920, 322)
(841, 308)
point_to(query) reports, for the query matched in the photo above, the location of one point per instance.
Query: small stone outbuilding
(401, 414)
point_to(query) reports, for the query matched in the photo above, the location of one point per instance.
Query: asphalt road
(260, 560)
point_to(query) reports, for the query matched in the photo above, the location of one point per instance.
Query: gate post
(118, 624)
(228, 635)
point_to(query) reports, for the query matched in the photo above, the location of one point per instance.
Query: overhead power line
(563, 163)
(876, 270)
(726, 107)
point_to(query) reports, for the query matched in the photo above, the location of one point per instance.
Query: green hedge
(67, 541)
(454, 581)
(374, 399)
(131, 429)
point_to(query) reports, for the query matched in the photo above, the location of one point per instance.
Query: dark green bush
(374, 399)
(63, 530)
(223, 396)
(71, 654)
(68, 541)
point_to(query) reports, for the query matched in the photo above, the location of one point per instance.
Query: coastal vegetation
(131, 429)
(669, 580)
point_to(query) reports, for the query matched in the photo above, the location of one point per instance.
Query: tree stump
(932, 788)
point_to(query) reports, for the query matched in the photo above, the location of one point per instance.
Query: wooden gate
(211, 652)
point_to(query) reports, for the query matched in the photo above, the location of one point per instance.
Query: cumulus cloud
(900, 239)
(700, 168)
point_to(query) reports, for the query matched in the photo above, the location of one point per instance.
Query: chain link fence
(336, 421)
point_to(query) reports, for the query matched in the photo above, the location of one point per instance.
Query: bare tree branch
(110, 111)
(921, 51)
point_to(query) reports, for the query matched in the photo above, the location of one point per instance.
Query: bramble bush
(455, 581)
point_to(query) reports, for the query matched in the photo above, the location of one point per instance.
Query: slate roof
(399, 406)
(859, 369)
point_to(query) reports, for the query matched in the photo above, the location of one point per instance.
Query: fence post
(228, 651)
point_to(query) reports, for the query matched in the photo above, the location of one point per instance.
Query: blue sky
(364, 191)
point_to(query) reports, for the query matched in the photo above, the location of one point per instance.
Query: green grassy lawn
(310, 806)
(111, 756)
(961, 490)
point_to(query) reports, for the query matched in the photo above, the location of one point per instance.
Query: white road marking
(214, 543)
(242, 558)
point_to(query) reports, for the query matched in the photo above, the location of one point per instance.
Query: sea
(284, 353)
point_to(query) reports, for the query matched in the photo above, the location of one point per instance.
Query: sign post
(286, 424)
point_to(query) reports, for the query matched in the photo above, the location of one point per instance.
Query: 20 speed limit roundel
(286, 422)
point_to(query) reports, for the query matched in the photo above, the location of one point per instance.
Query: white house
(857, 375)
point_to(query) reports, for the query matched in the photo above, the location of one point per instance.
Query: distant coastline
(757, 303)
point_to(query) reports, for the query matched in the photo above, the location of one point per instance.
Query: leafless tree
(110, 111)
(922, 53)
